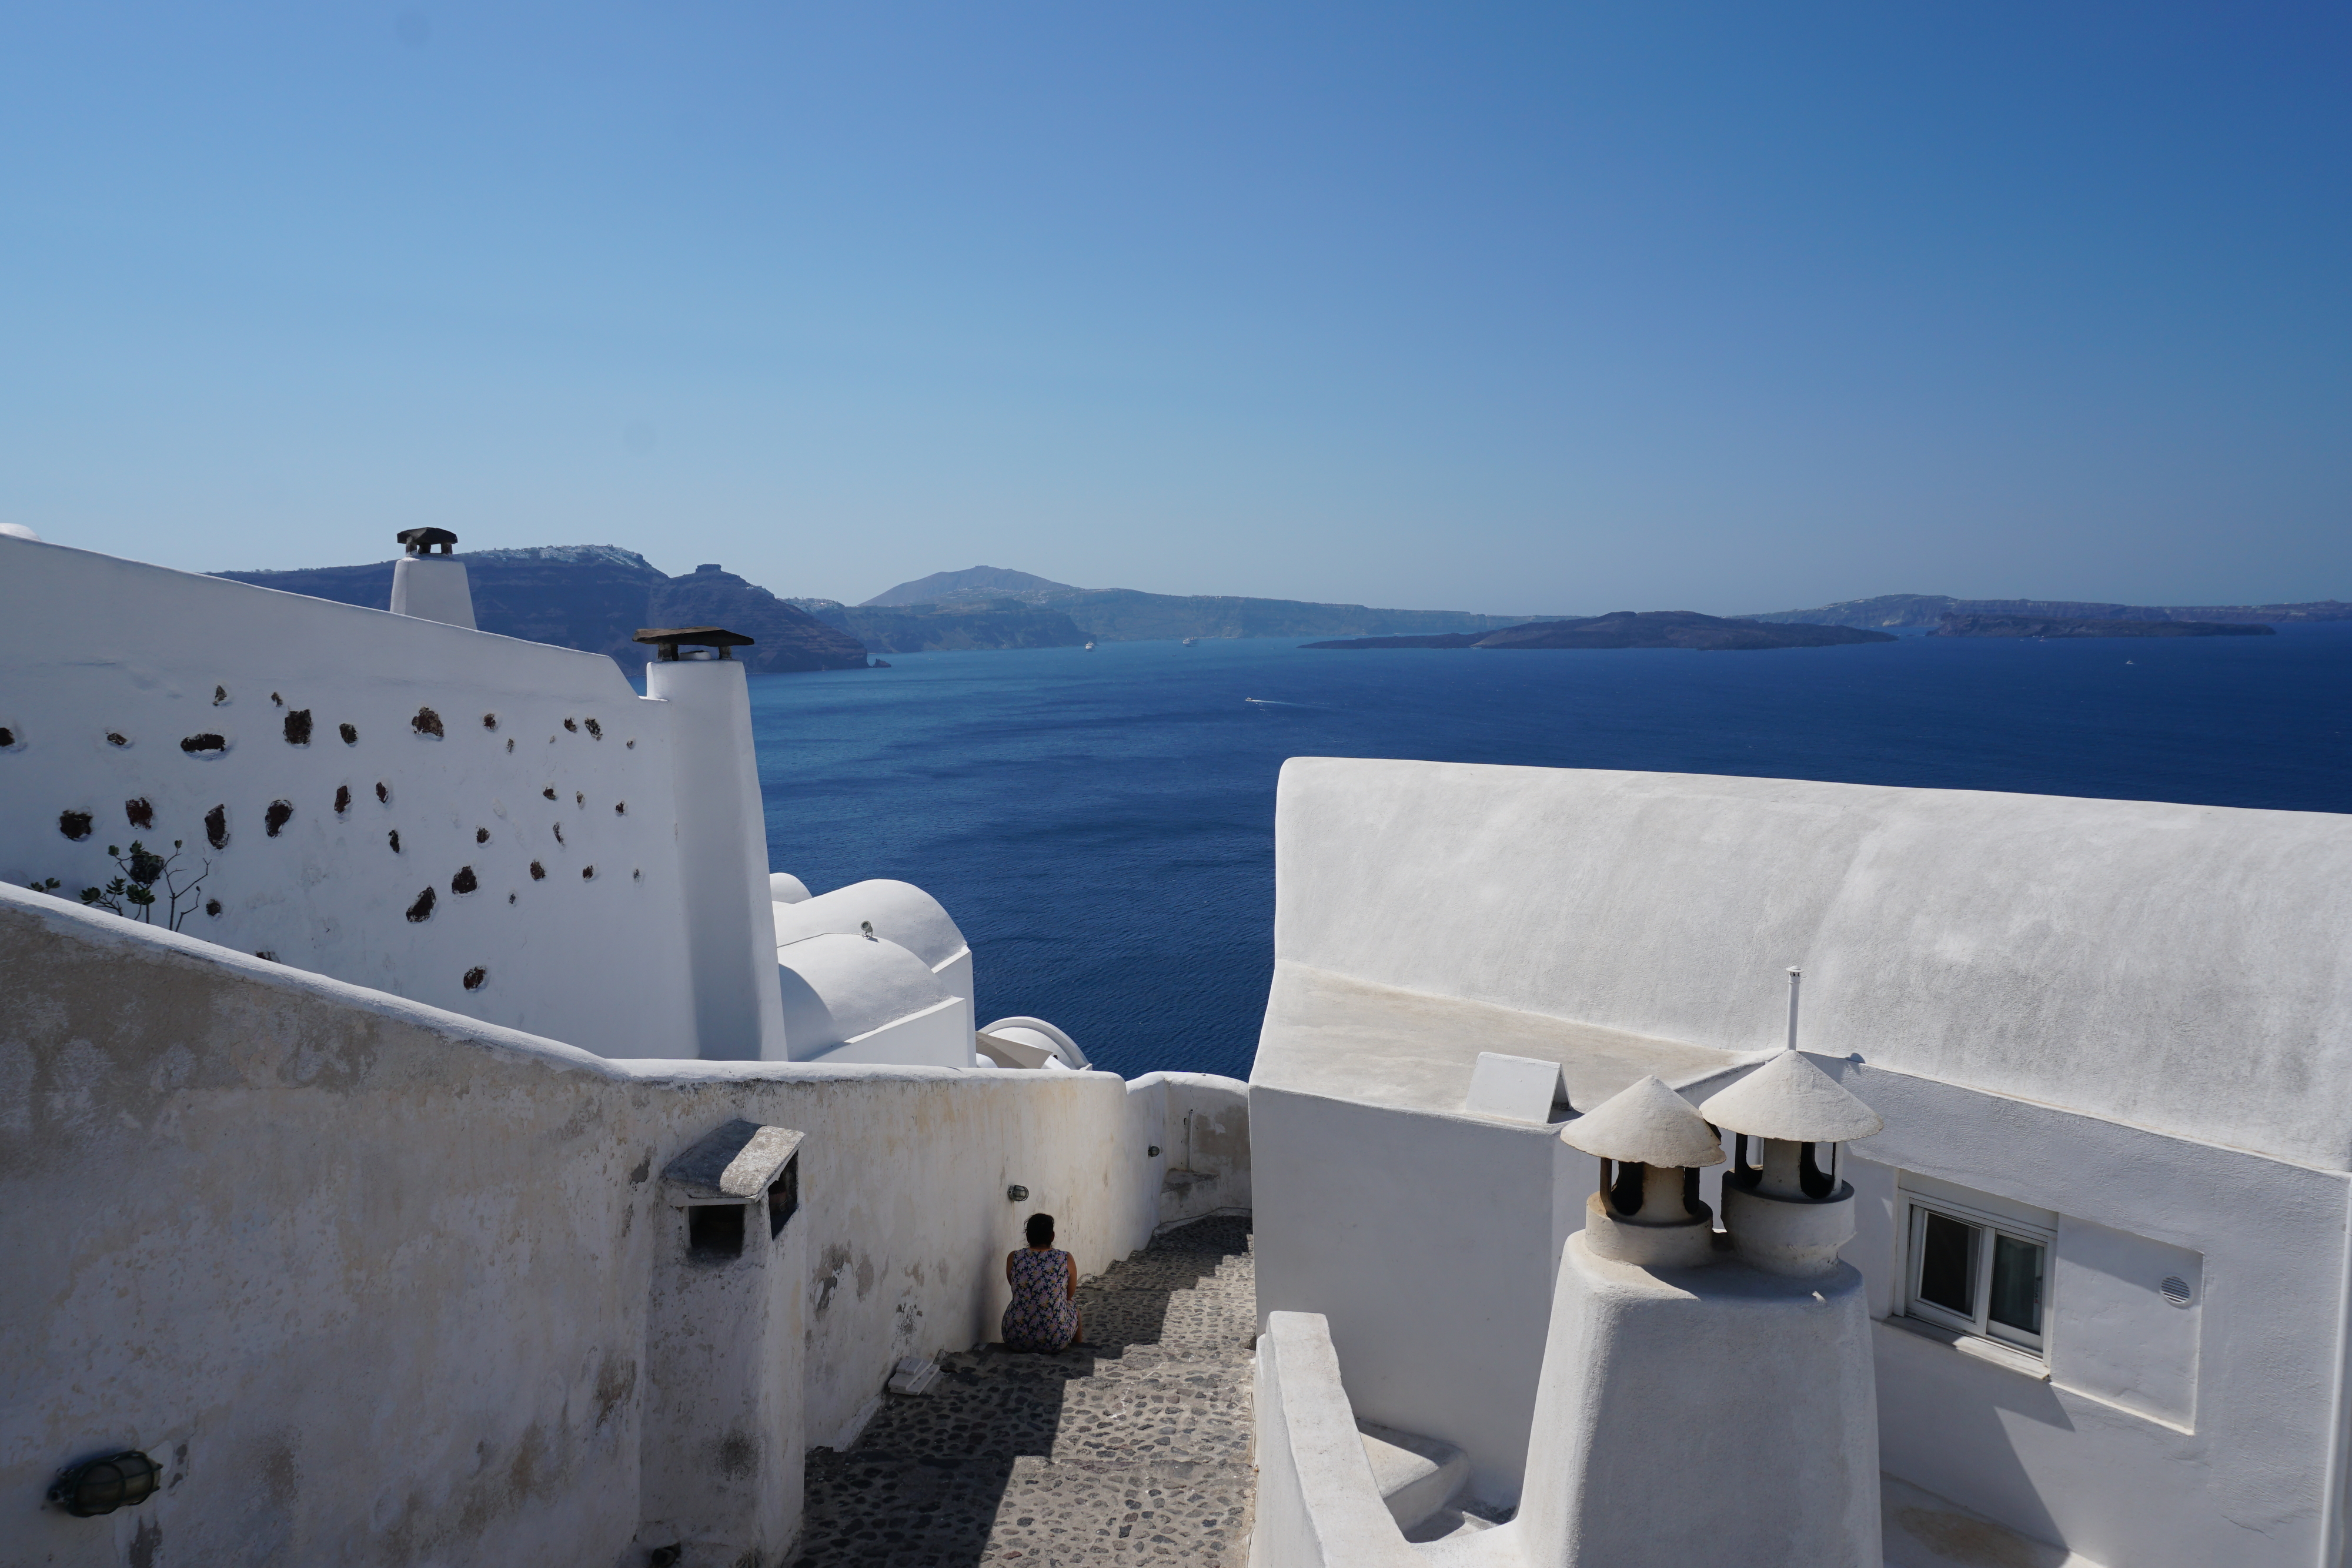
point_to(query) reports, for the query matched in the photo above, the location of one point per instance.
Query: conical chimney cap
(1789, 1098)
(1647, 1124)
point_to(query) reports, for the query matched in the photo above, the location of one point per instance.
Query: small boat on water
(1089, 648)
(1189, 641)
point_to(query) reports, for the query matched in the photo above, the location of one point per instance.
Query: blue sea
(1101, 824)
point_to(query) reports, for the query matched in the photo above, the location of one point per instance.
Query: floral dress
(1042, 1316)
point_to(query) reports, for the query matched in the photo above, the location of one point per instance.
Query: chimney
(1790, 1213)
(1650, 1145)
(722, 840)
(431, 587)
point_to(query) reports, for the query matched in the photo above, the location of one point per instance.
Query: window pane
(2016, 1283)
(1946, 1271)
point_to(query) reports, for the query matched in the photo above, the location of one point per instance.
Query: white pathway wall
(513, 857)
(2135, 1016)
(372, 1279)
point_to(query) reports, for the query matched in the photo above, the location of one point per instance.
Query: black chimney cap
(420, 541)
(670, 638)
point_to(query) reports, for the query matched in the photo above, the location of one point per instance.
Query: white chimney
(431, 587)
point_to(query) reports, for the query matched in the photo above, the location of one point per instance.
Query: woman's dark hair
(1041, 1231)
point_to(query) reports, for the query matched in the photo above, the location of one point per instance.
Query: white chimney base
(433, 588)
(1718, 1417)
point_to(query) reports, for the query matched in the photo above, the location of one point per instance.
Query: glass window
(1977, 1273)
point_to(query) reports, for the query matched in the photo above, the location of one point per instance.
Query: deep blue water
(1101, 825)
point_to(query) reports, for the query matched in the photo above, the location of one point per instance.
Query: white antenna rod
(1796, 978)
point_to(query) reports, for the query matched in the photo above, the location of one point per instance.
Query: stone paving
(1134, 1449)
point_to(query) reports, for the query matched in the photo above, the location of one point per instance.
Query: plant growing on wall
(139, 870)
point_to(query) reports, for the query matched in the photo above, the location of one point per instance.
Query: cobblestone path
(1136, 1450)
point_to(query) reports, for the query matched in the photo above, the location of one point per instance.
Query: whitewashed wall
(372, 1279)
(548, 792)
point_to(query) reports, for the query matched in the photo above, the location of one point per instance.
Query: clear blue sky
(1542, 307)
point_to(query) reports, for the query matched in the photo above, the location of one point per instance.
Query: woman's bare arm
(1074, 1275)
(1008, 1266)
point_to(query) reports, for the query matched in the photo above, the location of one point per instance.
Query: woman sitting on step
(1044, 1311)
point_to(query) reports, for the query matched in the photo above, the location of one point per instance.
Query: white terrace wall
(371, 1279)
(514, 860)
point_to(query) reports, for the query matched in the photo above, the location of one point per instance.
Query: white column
(722, 844)
(433, 588)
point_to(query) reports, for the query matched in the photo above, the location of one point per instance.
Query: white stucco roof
(901, 912)
(838, 988)
(2183, 968)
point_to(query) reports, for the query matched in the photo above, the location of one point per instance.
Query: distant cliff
(1128, 615)
(595, 597)
(2060, 626)
(1631, 629)
(1928, 609)
(967, 625)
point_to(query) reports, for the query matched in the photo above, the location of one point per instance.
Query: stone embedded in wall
(579, 796)
(220, 696)
(213, 907)
(571, 725)
(559, 832)
(465, 881)
(74, 825)
(509, 743)
(587, 874)
(475, 978)
(549, 791)
(350, 732)
(139, 812)
(392, 838)
(538, 871)
(489, 721)
(280, 812)
(7, 738)
(481, 835)
(277, 701)
(298, 727)
(426, 722)
(381, 793)
(620, 807)
(116, 737)
(216, 827)
(204, 745)
(595, 730)
(422, 910)
(343, 799)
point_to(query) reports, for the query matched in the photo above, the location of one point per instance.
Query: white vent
(2175, 1290)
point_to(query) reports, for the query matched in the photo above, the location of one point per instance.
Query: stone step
(1417, 1476)
(1070, 1511)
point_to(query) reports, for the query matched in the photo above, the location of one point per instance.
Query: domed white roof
(898, 911)
(784, 887)
(837, 987)
(1044, 1036)
(1646, 1123)
(1789, 1098)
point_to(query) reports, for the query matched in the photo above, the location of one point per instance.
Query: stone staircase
(1135, 1448)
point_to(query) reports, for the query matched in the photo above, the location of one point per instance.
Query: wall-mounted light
(100, 1486)
(1017, 1194)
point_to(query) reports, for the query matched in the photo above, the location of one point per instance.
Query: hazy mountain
(1128, 615)
(2043, 627)
(595, 597)
(986, 581)
(963, 625)
(1928, 609)
(1631, 629)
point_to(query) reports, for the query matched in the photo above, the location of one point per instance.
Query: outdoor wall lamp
(1017, 1194)
(100, 1486)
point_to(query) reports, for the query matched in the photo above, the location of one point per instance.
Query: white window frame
(1916, 1207)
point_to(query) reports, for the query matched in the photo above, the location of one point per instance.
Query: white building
(2103, 1235)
